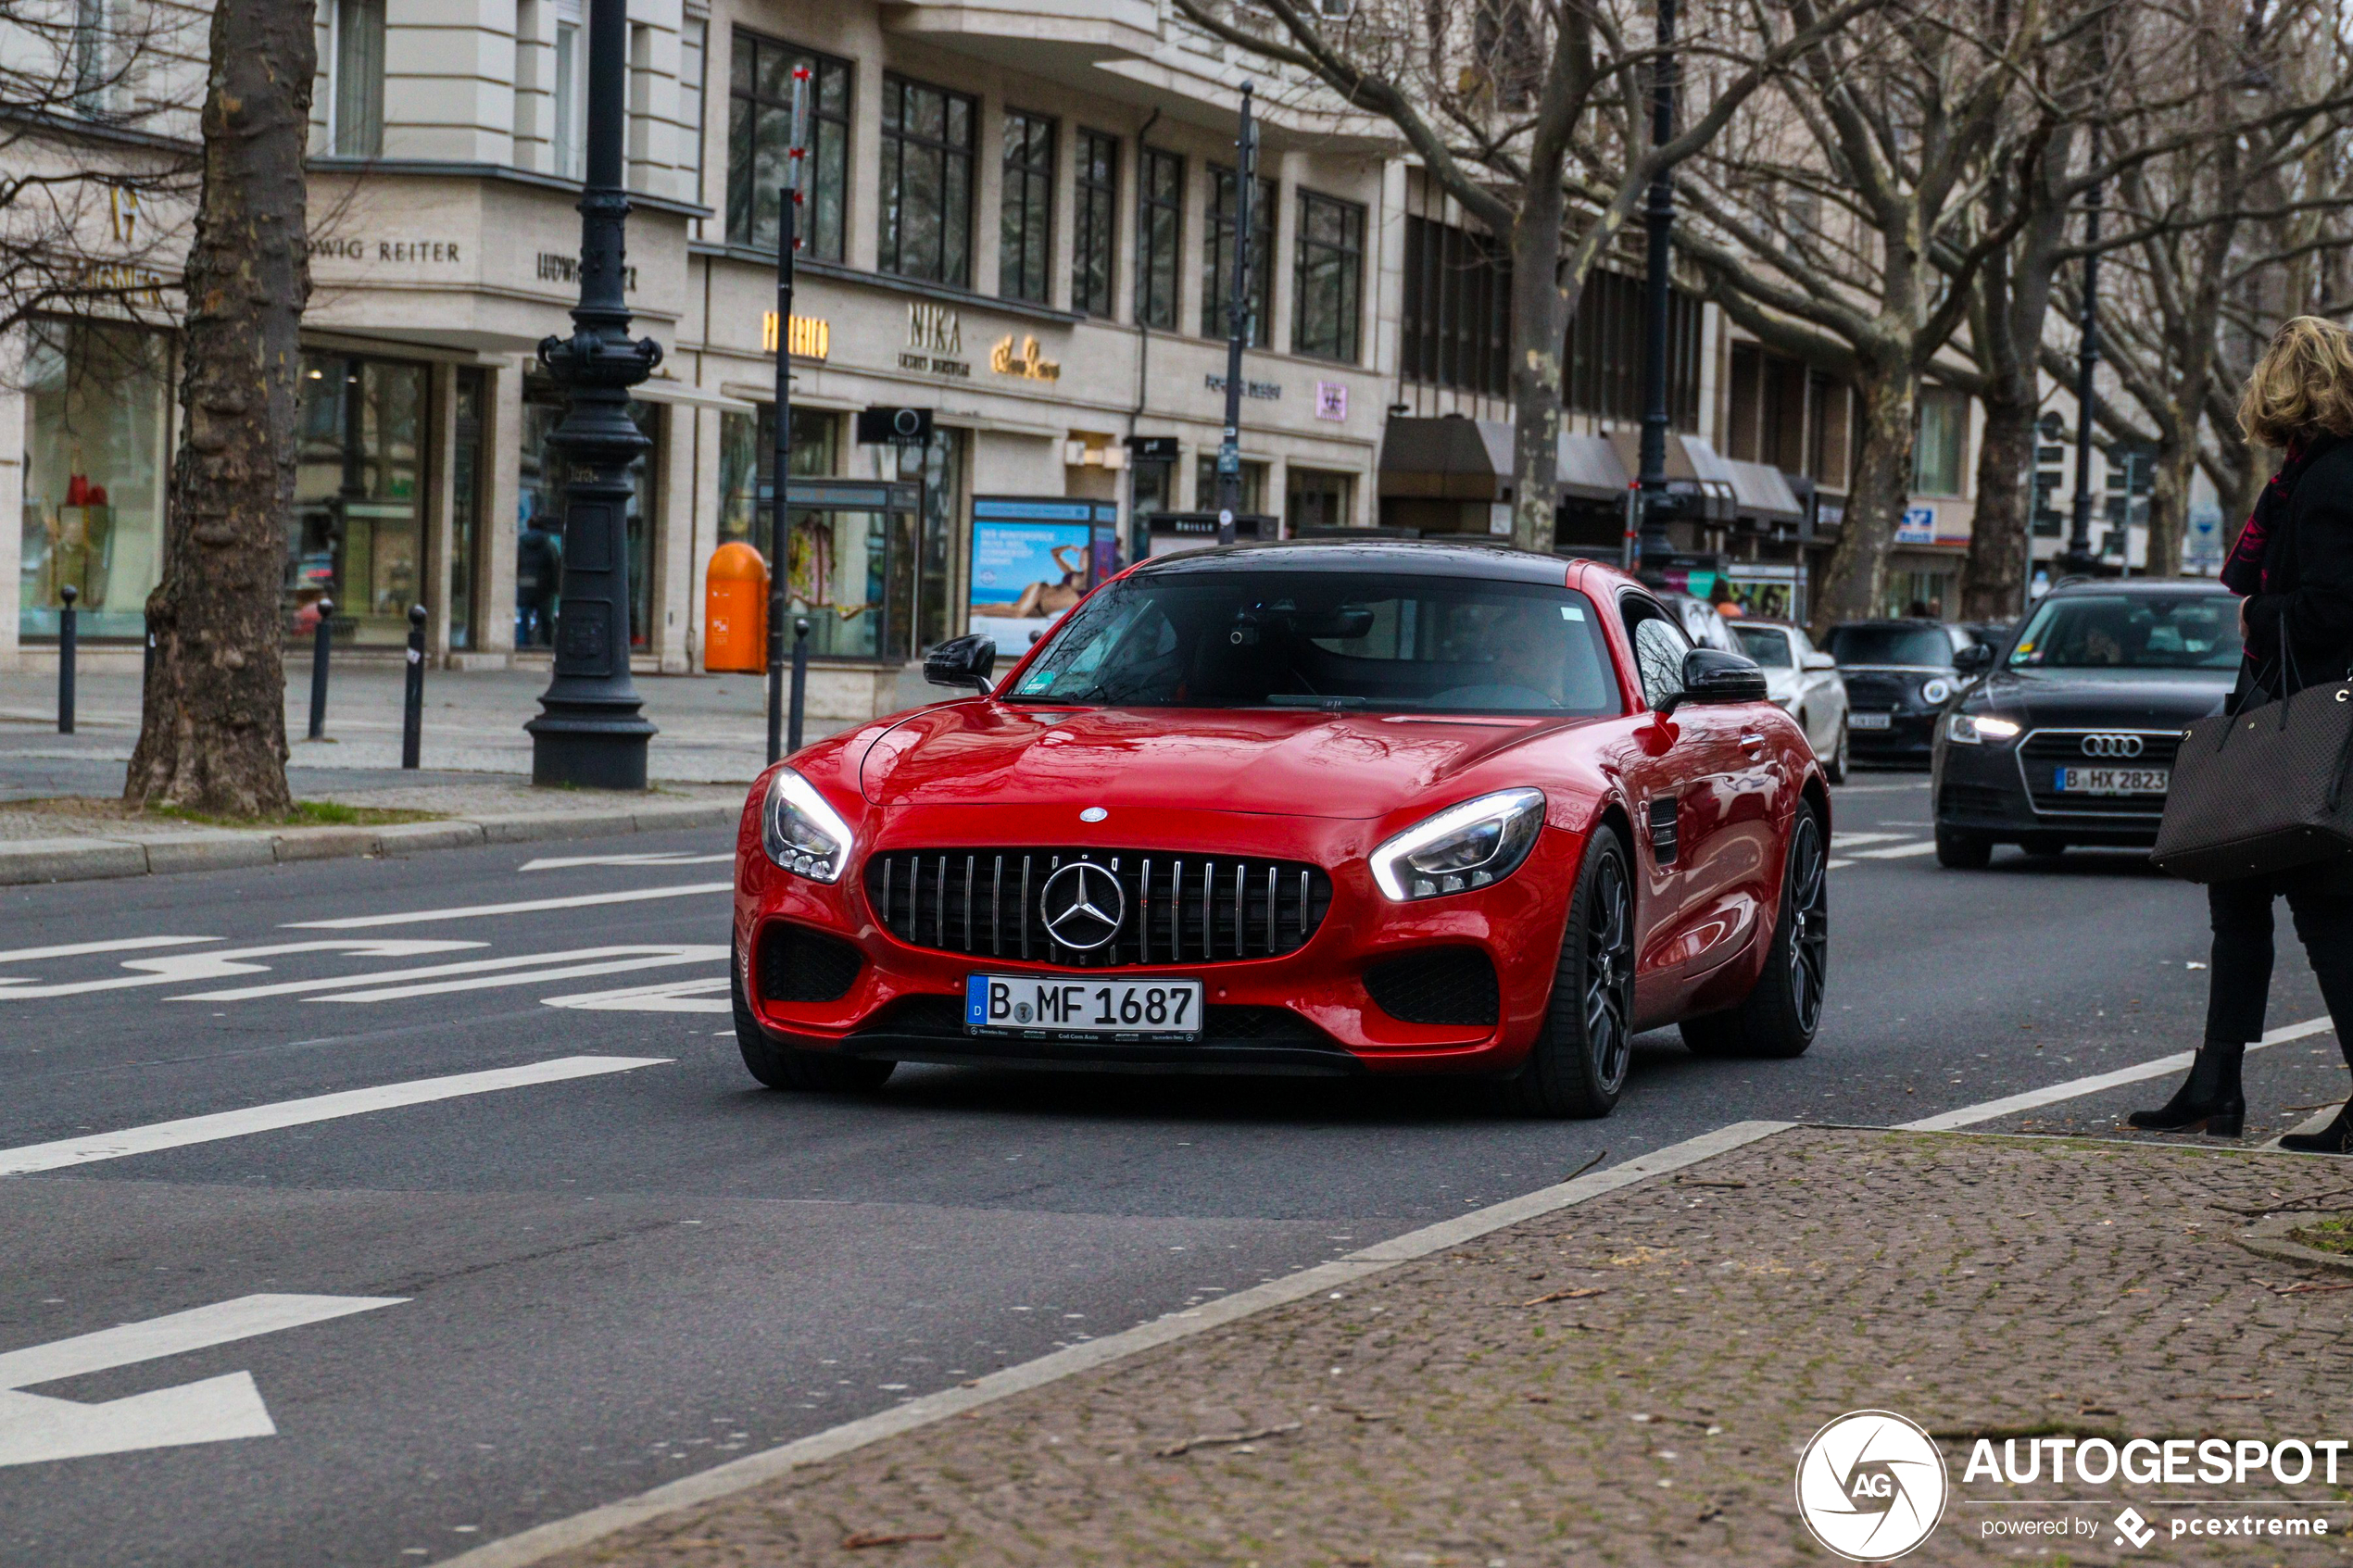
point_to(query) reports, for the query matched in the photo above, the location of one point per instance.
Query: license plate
(2112, 780)
(1068, 1007)
(1870, 721)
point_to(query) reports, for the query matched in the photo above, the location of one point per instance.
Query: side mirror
(1818, 660)
(962, 661)
(1974, 659)
(1711, 675)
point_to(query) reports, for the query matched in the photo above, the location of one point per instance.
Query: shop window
(926, 182)
(539, 518)
(760, 137)
(1160, 235)
(1457, 328)
(1605, 352)
(1094, 240)
(94, 477)
(1328, 296)
(359, 89)
(1217, 256)
(1026, 207)
(1316, 498)
(940, 575)
(357, 536)
(1205, 484)
(836, 564)
(1925, 594)
(465, 505)
(1939, 451)
(747, 467)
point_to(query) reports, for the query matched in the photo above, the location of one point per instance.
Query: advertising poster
(1024, 576)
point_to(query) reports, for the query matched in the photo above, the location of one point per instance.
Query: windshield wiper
(1329, 704)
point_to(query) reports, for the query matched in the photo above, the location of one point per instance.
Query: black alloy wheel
(1781, 1011)
(1836, 768)
(1578, 1064)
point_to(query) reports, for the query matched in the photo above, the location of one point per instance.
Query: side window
(1659, 648)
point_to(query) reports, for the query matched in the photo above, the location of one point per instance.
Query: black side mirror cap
(1711, 675)
(962, 661)
(1975, 660)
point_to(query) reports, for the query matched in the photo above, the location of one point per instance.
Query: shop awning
(1693, 472)
(662, 390)
(1590, 470)
(1447, 460)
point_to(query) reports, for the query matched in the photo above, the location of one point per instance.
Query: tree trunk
(212, 734)
(2169, 504)
(1994, 578)
(1539, 335)
(1856, 581)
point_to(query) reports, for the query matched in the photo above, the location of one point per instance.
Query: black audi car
(1899, 675)
(2066, 736)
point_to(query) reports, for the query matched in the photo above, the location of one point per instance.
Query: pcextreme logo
(1871, 1485)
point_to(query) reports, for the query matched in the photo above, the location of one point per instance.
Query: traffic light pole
(787, 241)
(1654, 544)
(1229, 450)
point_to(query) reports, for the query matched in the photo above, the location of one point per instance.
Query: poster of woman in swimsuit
(1024, 575)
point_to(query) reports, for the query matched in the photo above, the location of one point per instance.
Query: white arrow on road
(34, 1428)
(178, 969)
(651, 858)
(670, 996)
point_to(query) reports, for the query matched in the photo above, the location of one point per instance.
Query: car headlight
(1976, 729)
(800, 832)
(1936, 689)
(1464, 847)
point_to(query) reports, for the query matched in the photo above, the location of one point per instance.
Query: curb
(2275, 1238)
(29, 860)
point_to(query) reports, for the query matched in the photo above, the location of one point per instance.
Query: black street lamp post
(2080, 558)
(589, 732)
(1238, 324)
(1659, 217)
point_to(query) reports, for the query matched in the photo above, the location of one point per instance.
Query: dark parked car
(1899, 675)
(1992, 634)
(2068, 737)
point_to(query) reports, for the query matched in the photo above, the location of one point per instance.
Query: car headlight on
(1936, 689)
(1977, 729)
(800, 832)
(1464, 847)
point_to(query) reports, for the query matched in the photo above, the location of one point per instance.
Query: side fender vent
(1662, 816)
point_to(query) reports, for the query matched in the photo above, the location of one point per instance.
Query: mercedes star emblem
(1082, 906)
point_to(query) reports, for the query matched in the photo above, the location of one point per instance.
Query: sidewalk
(1632, 1379)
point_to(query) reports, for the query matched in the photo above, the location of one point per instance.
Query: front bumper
(1981, 789)
(1910, 736)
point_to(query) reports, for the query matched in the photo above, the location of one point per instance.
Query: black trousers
(2242, 972)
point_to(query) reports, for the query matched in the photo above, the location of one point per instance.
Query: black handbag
(2261, 790)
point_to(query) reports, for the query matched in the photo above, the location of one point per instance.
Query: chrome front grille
(2043, 752)
(1177, 909)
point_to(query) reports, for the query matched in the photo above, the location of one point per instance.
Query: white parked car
(1805, 683)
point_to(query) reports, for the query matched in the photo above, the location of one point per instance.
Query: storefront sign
(1024, 361)
(1264, 390)
(1918, 526)
(349, 247)
(132, 285)
(812, 336)
(1331, 400)
(934, 340)
(556, 267)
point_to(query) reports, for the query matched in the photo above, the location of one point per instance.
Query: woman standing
(2293, 566)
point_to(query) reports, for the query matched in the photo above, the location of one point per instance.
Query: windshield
(2128, 632)
(1767, 645)
(1925, 645)
(1327, 640)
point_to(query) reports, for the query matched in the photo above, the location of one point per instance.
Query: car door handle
(1753, 740)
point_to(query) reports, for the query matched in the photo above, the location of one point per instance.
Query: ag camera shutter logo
(1871, 1485)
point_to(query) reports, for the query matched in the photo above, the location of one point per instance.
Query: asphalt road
(565, 1291)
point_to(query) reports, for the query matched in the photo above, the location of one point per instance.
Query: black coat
(2308, 580)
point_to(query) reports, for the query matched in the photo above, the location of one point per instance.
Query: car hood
(1300, 764)
(2113, 696)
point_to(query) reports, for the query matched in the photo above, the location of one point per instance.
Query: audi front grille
(1177, 909)
(2043, 752)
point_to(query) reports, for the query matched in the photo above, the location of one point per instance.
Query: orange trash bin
(735, 613)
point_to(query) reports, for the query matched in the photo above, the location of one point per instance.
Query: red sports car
(1323, 808)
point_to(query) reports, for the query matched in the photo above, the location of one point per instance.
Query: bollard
(318, 671)
(800, 680)
(65, 619)
(412, 713)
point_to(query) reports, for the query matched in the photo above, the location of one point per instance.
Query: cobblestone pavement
(1632, 1379)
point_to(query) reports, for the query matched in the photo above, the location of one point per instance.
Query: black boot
(2334, 1138)
(2209, 1100)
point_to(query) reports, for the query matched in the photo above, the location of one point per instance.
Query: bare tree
(1534, 116)
(212, 733)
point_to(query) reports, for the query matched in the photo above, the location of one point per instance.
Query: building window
(1025, 205)
(96, 61)
(1330, 284)
(358, 532)
(694, 53)
(94, 477)
(1940, 452)
(926, 183)
(1316, 498)
(465, 502)
(1160, 235)
(572, 91)
(1205, 484)
(1092, 243)
(1605, 361)
(759, 135)
(1217, 256)
(1457, 329)
(359, 101)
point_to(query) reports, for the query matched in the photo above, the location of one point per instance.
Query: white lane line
(2164, 1066)
(119, 945)
(1897, 852)
(711, 952)
(1848, 840)
(155, 1135)
(654, 857)
(561, 1535)
(1832, 865)
(176, 1334)
(668, 952)
(525, 907)
(181, 968)
(670, 996)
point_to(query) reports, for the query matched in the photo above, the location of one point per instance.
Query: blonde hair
(2302, 386)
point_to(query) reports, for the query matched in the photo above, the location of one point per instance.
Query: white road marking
(645, 958)
(2164, 1066)
(92, 1146)
(1897, 851)
(1848, 840)
(34, 1427)
(525, 907)
(661, 857)
(666, 952)
(670, 996)
(119, 945)
(181, 969)
(1832, 865)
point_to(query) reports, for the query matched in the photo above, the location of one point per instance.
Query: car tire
(1577, 1066)
(1783, 1010)
(1835, 769)
(1959, 851)
(784, 1067)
